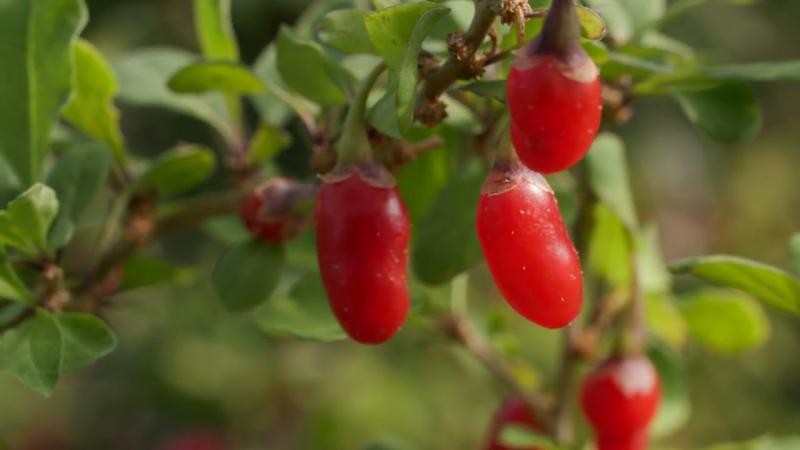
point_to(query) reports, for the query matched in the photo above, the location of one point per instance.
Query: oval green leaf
(212, 20)
(307, 70)
(728, 112)
(303, 313)
(446, 243)
(247, 274)
(608, 177)
(91, 108)
(178, 170)
(344, 30)
(36, 78)
(766, 283)
(221, 76)
(725, 322)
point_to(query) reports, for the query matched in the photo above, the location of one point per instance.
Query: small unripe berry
(363, 231)
(277, 209)
(620, 397)
(527, 248)
(513, 411)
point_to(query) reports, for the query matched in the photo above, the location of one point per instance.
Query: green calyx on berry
(353, 145)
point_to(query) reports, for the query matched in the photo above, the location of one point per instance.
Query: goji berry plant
(386, 172)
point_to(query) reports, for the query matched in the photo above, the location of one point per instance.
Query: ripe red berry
(636, 441)
(527, 247)
(273, 210)
(512, 412)
(554, 95)
(363, 230)
(619, 398)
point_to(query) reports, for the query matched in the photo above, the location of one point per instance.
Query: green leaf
(48, 345)
(140, 271)
(178, 170)
(33, 353)
(27, 221)
(493, 89)
(725, 322)
(143, 77)
(247, 274)
(307, 70)
(397, 33)
(383, 115)
(275, 105)
(303, 313)
(212, 21)
(593, 27)
(345, 31)
(674, 409)
(222, 76)
(266, 144)
(761, 443)
(11, 286)
(391, 29)
(728, 112)
(664, 320)
(36, 39)
(76, 179)
(766, 283)
(627, 19)
(608, 177)
(610, 248)
(519, 437)
(794, 253)
(84, 340)
(763, 71)
(91, 108)
(446, 243)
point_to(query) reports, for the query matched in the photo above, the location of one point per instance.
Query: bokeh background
(184, 365)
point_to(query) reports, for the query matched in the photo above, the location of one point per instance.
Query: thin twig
(463, 331)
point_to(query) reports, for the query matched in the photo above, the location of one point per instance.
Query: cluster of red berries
(363, 227)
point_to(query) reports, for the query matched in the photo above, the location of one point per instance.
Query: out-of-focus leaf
(143, 77)
(11, 286)
(766, 283)
(608, 177)
(421, 180)
(247, 274)
(493, 89)
(275, 105)
(267, 143)
(222, 76)
(91, 108)
(84, 340)
(610, 248)
(794, 253)
(515, 436)
(303, 313)
(628, 18)
(383, 116)
(764, 71)
(36, 78)
(27, 221)
(141, 271)
(674, 409)
(345, 31)
(212, 20)
(305, 68)
(762, 443)
(76, 179)
(227, 230)
(178, 170)
(664, 319)
(725, 322)
(728, 112)
(446, 243)
(653, 273)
